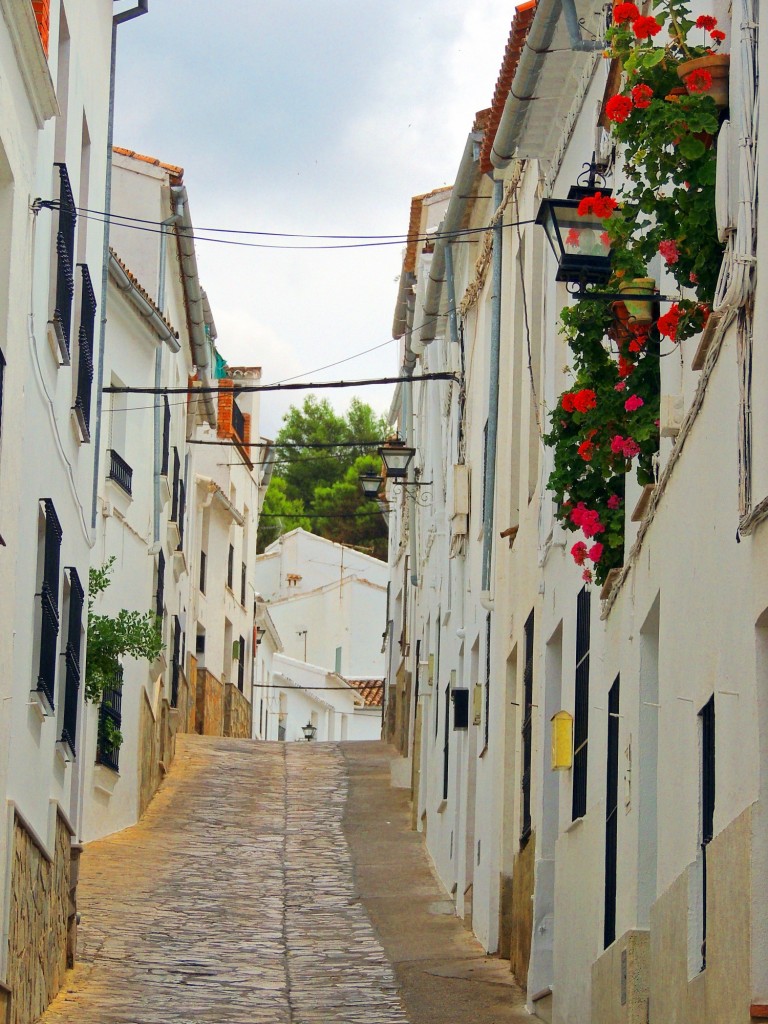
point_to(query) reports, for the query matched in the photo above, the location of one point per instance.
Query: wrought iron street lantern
(309, 730)
(396, 457)
(579, 241)
(371, 485)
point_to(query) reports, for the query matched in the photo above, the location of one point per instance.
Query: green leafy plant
(606, 424)
(111, 638)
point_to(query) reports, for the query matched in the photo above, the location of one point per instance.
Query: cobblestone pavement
(235, 901)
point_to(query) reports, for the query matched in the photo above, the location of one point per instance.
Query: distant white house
(328, 603)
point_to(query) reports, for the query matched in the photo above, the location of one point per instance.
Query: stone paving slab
(236, 900)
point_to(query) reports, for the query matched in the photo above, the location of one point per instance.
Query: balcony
(110, 720)
(65, 264)
(85, 356)
(120, 472)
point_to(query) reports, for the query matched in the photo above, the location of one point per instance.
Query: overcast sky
(310, 116)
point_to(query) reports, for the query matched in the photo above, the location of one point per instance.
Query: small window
(231, 567)
(527, 729)
(110, 720)
(49, 603)
(581, 716)
(72, 660)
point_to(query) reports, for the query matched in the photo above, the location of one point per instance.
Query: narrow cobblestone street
(274, 884)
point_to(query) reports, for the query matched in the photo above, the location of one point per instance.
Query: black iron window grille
(611, 815)
(182, 510)
(175, 486)
(238, 421)
(487, 682)
(581, 716)
(120, 471)
(203, 560)
(160, 592)
(527, 729)
(49, 602)
(175, 662)
(707, 785)
(166, 436)
(110, 720)
(243, 578)
(436, 682)
(72, 660)
(65, 261)
(231, 567)
(241, 665)
(85, 352)
(2, 375)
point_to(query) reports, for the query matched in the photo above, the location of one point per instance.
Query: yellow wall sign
(562, 741)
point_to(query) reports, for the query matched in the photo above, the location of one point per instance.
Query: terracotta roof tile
(176, 173)
(521, 23)
(414, 228)
(371, 690)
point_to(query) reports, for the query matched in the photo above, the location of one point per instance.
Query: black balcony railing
(238, 422)
(72, 661)
(49, 604)
(166, 436)
(243, 577)
(120, 471)
(110, 720)
(160, 592)
(65, 259)
(231, 567)
(241, 665)
(85, 357)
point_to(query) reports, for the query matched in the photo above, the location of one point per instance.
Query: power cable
(240, 389)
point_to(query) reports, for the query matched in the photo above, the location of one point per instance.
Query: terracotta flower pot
(718, 66)
(639, 311)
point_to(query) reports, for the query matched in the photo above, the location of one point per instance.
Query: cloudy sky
(312, 117)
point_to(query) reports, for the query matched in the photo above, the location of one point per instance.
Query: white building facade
(626, 885)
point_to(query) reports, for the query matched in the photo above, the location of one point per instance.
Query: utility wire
(292, 444)
(240, 389)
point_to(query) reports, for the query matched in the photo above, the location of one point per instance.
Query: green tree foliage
(325, 480)
(111, 638)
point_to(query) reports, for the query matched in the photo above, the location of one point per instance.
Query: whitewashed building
(629, 884)
(55, 124)
(328, 603)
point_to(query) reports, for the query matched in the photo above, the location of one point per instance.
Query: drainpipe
(453, 325)
(201, 349)
(574, 30)
(535, 51)
(493, 401)
(158, 422)
(408, 417)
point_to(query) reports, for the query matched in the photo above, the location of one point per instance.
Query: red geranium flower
(618, 108)
(633, 402)
(585, 450)
(706, 21)
(642, 96)
(699, 80)
(579, 552)
(598, 204)
(669, 323)
(595, 553)
(668, 249)
(717, 35)
(625, 12)
(644, 28)
(587, 575)
(614, 501)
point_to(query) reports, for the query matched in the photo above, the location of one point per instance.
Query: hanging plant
(607, 424)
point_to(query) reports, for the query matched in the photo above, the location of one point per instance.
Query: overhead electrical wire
(239, 389)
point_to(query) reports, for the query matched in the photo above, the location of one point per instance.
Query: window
(166, 436)
(238, 422)
(231, 567)
(72, 660)
(581, 716)
(203, 562)
(2, 375)
(175, 662)
(175, 486)
(707, 788)
(485, 470)
(85, 353)
(241, 664)
(65, 263)
(110, 720)
(611, 815)
(446, 739)
(120, 472)
(437, 670)
(160, 591)
(527, 729)
(182, 510)
(243, 577)
(49, 603)
(487, 681)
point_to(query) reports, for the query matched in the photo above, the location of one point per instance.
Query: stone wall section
(41, 922)
(237, 713)
(209, 718)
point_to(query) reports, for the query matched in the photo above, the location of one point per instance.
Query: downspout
(453, 325)
(194, 295)
(574, 31)
(117, 19)
(535, 51)
(408, 417)
(158, 424)
(493, 401)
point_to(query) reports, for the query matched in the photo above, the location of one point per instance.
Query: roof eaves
(176, 173)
